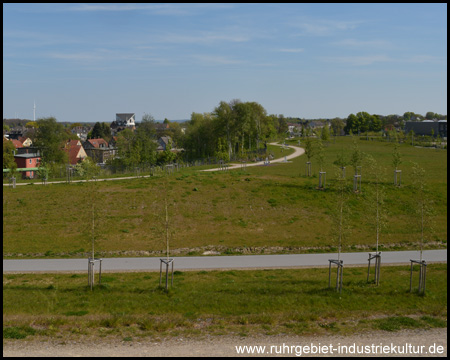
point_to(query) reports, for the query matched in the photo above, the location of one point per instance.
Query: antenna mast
(34, 111)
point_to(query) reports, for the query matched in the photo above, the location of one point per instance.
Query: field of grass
(263, 209)
(132, 305)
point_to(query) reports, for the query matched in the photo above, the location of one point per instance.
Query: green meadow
(130, 306)
(262, 209)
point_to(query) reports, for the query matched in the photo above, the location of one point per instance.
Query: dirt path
(402, 343)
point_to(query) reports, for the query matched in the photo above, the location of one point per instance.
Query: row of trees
(363, 121)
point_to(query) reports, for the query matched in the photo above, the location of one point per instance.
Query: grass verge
(132, 305)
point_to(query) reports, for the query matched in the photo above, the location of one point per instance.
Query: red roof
(17, 143)
(73, 153)
(74, 142)
(73, 148)
(97, 142)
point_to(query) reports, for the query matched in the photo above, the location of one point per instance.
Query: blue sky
(87, 62)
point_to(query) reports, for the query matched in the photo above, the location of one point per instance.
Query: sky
(87, 62)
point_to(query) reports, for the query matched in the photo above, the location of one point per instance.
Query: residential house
(316, 124)
(123, 121)
(26, 141)
(99, 150)
(29, 161)
(164, 143)
(75, 152)
(81, 132)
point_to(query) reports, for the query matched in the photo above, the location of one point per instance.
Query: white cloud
(298, 50)
(325, 27)
(200, 38)
(358, 60)
(215, 60)
(363, 43)
(160, 9)
(425, 59)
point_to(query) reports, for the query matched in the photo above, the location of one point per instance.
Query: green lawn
(294, 301)
(263, 209)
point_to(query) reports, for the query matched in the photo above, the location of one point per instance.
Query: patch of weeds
(190, 315)
(242, 223)
(330, 326)
(229, 251)
(242, 320)
(110, 322)
(194, 253)
(434, 322)
(18, 332)
(21, 202)
(128, 338)
(220, 218)
(105, 287)
(125, 230)
(146, 324)
(272, 202)
(76, 313)
(396, 323)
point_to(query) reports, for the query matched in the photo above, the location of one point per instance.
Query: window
(30, 161)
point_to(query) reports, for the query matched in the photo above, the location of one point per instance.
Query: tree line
(233, 130)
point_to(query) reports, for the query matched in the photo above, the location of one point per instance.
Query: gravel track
(226, 346)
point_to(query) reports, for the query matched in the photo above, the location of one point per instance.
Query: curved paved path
(219, 262)
(298, 151)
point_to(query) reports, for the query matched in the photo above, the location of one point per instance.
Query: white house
(126, 119)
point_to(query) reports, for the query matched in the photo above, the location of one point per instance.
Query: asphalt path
(297, 152)
(219, 262)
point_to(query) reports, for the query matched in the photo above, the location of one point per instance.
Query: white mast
(34, 111)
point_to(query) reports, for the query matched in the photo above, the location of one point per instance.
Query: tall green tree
(226, 119)
(337, 125)
(8, 155)
(100, 130)
(325, 134)
(352, 124)
(129, 148)
(50, 140)
(145, 137)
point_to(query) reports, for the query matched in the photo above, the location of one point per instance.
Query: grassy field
(132, 305)
(263, 209)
